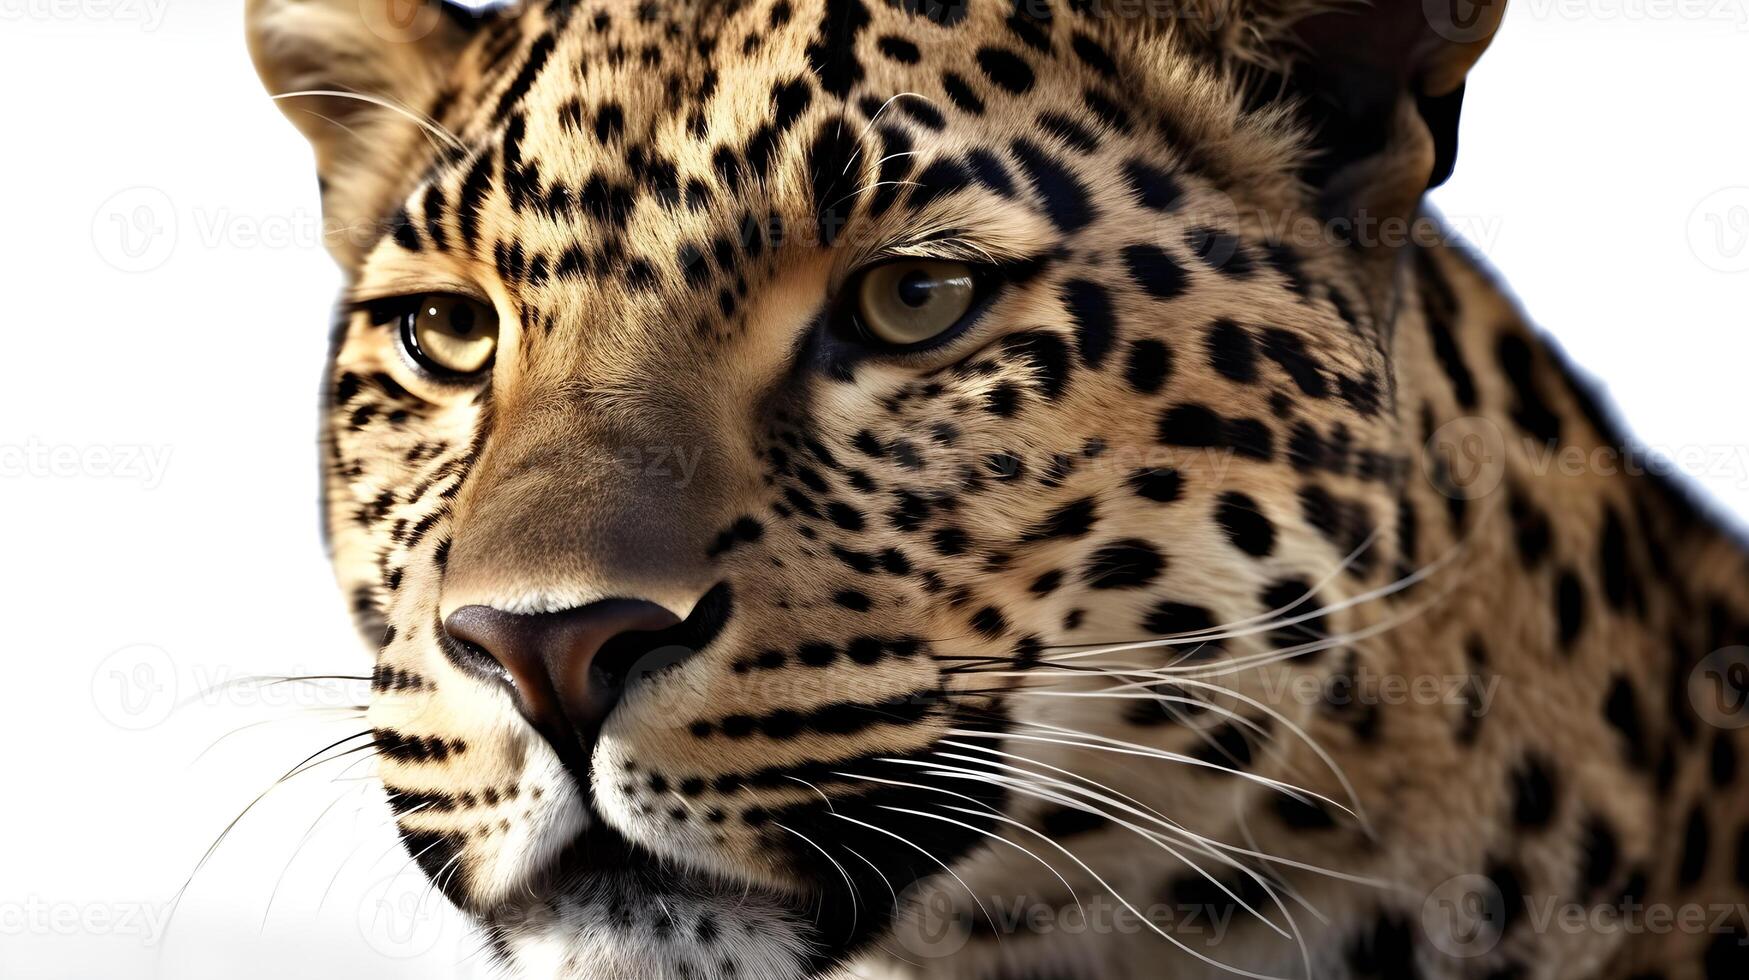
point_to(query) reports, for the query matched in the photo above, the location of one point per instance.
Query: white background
(1605, 159)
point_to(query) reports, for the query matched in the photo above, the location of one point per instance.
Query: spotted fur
(1089, 606)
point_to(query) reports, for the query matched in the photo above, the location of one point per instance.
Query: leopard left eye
(908, 302)
(452, 337)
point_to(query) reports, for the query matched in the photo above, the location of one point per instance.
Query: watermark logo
(1718, 687)
(149, 14)
(1465, 458)
(402, 21)
(400, 918)
(135, 687)
(931, 923)
(36, 916)
(1465, 916)
(38, 460)
(1718, 230)
(135, 229)
(1461, 21)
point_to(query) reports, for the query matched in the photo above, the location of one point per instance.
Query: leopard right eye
(453, 338)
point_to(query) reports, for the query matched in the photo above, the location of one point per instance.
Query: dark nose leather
(570, 668)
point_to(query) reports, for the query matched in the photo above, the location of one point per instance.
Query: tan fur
(884, 515)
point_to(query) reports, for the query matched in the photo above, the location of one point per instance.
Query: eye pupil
(916, 288)
(461, 319)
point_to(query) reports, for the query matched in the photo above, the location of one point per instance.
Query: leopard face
(717, 618)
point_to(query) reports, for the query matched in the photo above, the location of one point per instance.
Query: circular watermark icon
(401, 20)
(1718, 687)
(400, 917)
(135, 687)
(1465, 916)
(1462, 21)
(1465, 458)
(931, 922)
(135, 229)
(1718, 230)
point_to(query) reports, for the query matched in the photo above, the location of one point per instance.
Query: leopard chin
(606, 909)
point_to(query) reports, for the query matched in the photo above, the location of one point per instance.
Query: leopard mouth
(627, 910)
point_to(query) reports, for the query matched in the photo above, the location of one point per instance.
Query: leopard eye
(453, 337)
(911, 301)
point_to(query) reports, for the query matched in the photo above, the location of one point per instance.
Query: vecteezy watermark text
(38, 460)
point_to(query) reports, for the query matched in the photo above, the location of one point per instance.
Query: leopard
(994, 489)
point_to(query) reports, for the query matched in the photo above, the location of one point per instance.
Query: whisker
(428, 125)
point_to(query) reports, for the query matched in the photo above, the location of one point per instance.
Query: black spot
(1005, 68)
(1696, 842)
(833, 55)
(1150, 364)
(1071, 520)
(1127, 564)
(1093, 55)
(1612, 557)
(1621, 708)
(939, 179)
(1060, 822)
(1303, 813)
(1069, 131)
(1533, 793)
(989, 171)
(853, 600)
(1066, 200)
(1219, 250)
(1530, 528)
(1154, 187)
(1161, 485)
(1154, 270)
(1569, 608)
(1743, 856)
(1723, 764)
(1191, 425)
(1288, 351)
(1727, 955)
(1047, 583)
(1226, 746)
(1295, 599)
(989, 622)
(923, 114)
(961, 94)
(1108, 111)
(899, 49)
(1179, 619)
(1244, 523)
(1197, 427)
(610, 123)
(1048, 356)
(1599, 854)
(1002, 400)
(1531, 411)
(1232, 351)
(834, 149)
(943, 13)
(1095, 322)
(1451, 360)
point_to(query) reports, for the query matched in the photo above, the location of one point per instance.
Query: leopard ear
(1377, 82)
(1381, 84)
(358, 77)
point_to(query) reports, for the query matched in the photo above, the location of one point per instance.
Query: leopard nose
(570, 668)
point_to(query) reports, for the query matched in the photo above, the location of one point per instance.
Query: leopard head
(791, 455)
